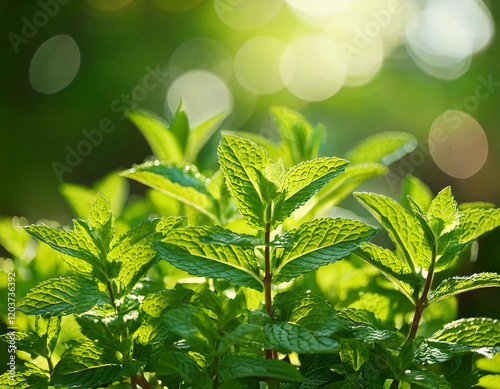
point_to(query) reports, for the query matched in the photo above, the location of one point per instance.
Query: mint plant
(428, 237)
(217, 294)
(266, 195)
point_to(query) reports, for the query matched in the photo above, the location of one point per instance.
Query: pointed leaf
(433, 351)
(456, 285)
(134, 255)
(475, 222)
(242, 366)
(70, 295)
(304, 308)
(318, 243)
(160, 139)
(287, 338)
(200, 135)
(341, 186)
(179, 127)
(182, 182)
(79, 197)
(67, 242)
(385, 147)
(48, 329)
(184, 364)
(275, 151)
(240, 160)
(403, 228)
(27, 376)
(101, 224)
(443, 215)
(193, 325)
(295, 132)
(418, 191)
(390, 266)
(85, 365)
(185, 249)
(477, 331)
(302, 182)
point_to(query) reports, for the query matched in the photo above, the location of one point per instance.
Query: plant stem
(420, 305)
(111, 296)
(51, 366)
(143, 382)
(215, 365)
(133, 382)
(270, 354)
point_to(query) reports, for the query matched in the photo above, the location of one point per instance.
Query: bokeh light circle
(108, 5)
(247, 14)
(313, 68)
(318, 12)
(203, 95)
(458, 144)
(54, 65)
(201, 53)
(445, 34)
(257, 65)
(176, 5)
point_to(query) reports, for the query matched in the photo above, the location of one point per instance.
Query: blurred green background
(357, 66)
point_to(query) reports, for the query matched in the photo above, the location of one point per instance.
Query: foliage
(219, 298)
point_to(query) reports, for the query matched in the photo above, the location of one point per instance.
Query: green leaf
(182, 182)
(12, 238)
(456, 285)
(318, 243)
(287, 337)
(302, 182)
(426, 379)
(275, 151)
(26, 376)
(354, 353)
(477, 331)
(396, 270)
(433, 351)
(76, 244)
(403, 228)
(200, 135)
(70, 295)
(240, 162)
(179, 126)
(152, 330)
(163, 143)
(133, 256)
(48, 328)
(475, 222)
(85, 365)
(241, 366)
(475, 204)
(101, 224)
(364, 325)
(443, 214)
(80, 198)
(303, 308)
(385, 147)
(296, 133)
(193, 325)
(184, 248)
(159, 302)
(418, 191)
(181, 363)
(227, 237)
(341, 186)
